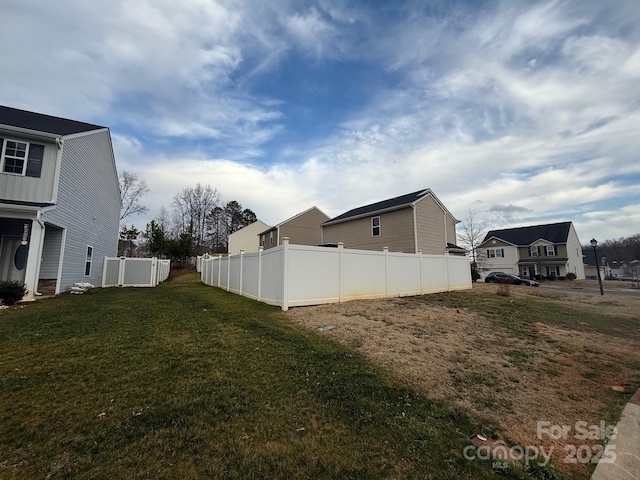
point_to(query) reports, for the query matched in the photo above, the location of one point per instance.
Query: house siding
(31, 189)
(575, 263)
(431, 227)
(51, 253)
(247, 238)
(88, 206)
(396, 232)
(304, 229)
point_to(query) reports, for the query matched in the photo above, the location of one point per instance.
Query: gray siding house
(59, 200)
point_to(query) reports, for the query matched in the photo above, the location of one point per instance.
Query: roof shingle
(552, 232)
(43, 123)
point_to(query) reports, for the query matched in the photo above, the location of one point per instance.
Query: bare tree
(471, 233)
(191, 206)
(132, 189)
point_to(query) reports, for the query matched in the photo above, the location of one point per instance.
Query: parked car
(501, 277)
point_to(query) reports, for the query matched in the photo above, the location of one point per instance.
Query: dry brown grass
(512, 373)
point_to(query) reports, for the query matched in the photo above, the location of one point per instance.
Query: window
(533, 251)
(495, 252)
(21, 158)
(271, 238)
(262, 240)
(89, 260)
(553, 271)
(551, 251)
(375, 226)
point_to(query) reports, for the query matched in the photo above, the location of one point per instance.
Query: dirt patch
(511, 376)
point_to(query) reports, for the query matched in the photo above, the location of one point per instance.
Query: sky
(525, 112)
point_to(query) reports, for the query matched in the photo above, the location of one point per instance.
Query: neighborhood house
(551, 250)
(59, 201)
(409, 223)
(301, 229)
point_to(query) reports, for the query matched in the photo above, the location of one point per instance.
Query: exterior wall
(31, 189)
(396, 232)
(304, 229)
(270, 238)
(431, 220)
(575, 263)
(506, 264)
(51, 253)
(88, 206)
(246, 238)
(451, 229)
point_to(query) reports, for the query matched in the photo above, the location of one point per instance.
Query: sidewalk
(627, 446)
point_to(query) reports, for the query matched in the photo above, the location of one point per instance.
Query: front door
(12, 259)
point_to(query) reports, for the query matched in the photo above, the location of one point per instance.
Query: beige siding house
(301, 229)
(410, 223)
(247, 238)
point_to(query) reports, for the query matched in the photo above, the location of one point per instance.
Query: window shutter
(34, 163)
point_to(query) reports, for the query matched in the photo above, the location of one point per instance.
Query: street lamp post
(594, 244)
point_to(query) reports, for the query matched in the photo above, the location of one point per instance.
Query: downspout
(446, 239)
(415, 228)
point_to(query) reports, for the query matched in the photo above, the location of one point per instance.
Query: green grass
(187, 381)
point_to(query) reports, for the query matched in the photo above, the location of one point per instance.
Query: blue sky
(527, 112)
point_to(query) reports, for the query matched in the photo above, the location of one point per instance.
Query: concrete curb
(626, 445)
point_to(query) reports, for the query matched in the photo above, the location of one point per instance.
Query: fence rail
(134, 272)
(297, 275)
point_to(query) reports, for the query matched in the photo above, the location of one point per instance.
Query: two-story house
(301, 229)
(417, 221)
(59, 200)
(550, 250)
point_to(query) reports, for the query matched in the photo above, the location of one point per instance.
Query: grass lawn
(187, 381)
(536, 355)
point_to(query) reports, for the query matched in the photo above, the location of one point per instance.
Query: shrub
(504, 290)
(475, 275)
(571, 276)
(11, 292)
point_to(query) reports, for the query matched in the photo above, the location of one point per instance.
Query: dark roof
(552, 232)
(43, 123)
(390, 204)
(589, 257)
(452, 246)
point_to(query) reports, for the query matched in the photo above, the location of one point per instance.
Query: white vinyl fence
(134, 272)
(297, 275)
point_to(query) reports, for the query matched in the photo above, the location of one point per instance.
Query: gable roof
(394, 203)
(43, 123)
(552, 232)
(275, 227)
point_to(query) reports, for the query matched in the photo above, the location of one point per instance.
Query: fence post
(228, 273)
(285, 261)
(420, 260)
(121, 267)
(260, 249)
(340, 274)
(219, 268)
(154, 272)
(446, 258)
(386, 271)
(241, 265)
(104, 271)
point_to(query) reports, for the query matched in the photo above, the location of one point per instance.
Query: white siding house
(247, 238)
(59, 200)
(550, 250)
